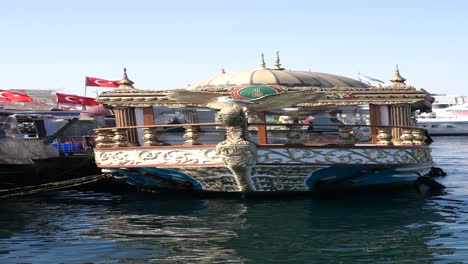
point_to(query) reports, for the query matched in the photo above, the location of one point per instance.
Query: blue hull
(346, 177)
(320, 179)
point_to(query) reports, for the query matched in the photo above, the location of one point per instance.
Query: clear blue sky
(170, 44)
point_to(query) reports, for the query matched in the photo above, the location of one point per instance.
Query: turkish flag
(91, 81)
(75, 99)
(12, 96)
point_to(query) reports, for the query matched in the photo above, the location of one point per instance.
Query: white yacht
(449, 117)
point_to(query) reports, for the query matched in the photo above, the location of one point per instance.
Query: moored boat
(244, 132)
(449, 117)
(41, 147)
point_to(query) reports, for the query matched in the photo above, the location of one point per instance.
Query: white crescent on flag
(1, 94)
(75, 99)
(102, 82)
(72, 99)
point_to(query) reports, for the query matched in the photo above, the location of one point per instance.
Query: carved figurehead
(237, 152)
(251, 107)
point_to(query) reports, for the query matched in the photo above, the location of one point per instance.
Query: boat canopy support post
(125, 116)
(262, 132)
(399, 116)
(375, 120)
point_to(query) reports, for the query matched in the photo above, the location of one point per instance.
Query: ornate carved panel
(343, 156)
(284, 178)
(123, 157)
(216, 179)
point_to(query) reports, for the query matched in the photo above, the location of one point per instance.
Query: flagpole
(86, 79)
(56, 101)
(83, 107)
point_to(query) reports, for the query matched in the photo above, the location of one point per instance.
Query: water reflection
(174, 230)
(364, 229)
(146, 229)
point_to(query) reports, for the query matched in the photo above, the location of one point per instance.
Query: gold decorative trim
(156, 157)
(343, 156)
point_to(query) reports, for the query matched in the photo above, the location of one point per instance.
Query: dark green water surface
(392, 227)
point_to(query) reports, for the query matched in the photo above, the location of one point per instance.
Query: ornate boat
(247, 131)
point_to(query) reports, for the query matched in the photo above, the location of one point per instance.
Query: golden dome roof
(276, 76)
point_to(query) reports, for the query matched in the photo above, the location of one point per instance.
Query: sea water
(392, 227)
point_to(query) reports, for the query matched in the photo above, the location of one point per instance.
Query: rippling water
(89, 227)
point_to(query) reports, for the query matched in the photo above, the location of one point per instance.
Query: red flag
(75, 99)
(12, 96)
(91, 81)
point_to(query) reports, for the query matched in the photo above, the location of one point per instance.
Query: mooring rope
(52, 186)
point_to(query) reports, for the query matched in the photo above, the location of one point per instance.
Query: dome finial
(126, 82)
(397, 77)
(262, 61)
(277, 62)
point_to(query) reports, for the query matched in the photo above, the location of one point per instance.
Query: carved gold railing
(117, 137)
(193, 133)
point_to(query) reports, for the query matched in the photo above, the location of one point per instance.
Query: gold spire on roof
(262, 62)
(277, 63)
(125, 82)
(397, 77)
